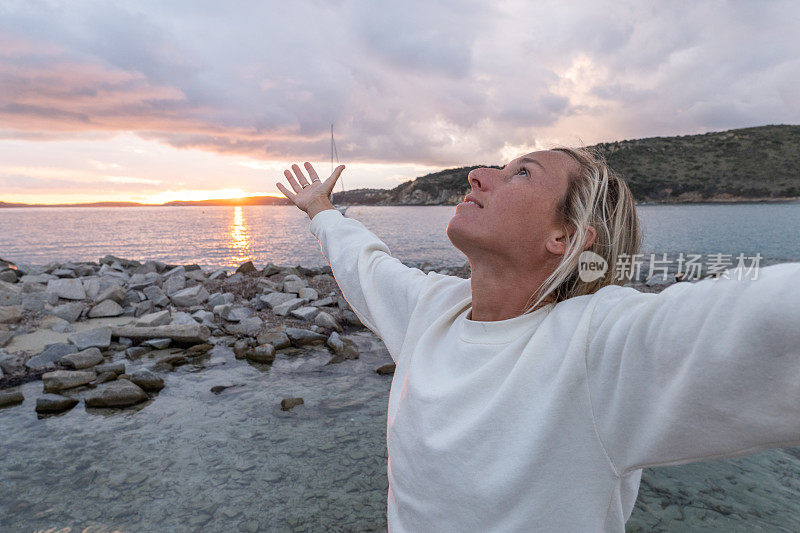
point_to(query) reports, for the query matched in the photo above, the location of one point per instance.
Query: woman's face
(516, 220)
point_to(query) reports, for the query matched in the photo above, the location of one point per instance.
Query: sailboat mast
(335, 153)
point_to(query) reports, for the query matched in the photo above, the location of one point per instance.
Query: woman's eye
(523, 171)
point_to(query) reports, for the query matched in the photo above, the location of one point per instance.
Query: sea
(224, 237)
(195, 458)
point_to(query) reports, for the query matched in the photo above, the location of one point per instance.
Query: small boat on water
(335, 154)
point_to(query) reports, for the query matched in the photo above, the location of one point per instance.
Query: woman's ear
(591, 235)
(559, 242)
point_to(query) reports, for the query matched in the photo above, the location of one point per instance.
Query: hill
(761, 163)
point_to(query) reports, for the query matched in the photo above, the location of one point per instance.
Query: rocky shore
(105, 333)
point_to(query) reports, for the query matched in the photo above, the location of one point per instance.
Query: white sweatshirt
(545, 421)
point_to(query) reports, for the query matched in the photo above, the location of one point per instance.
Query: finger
(300, 177)
(285, 192)
(331, 181)
(336, 173)
(311, 172)
(293, 182)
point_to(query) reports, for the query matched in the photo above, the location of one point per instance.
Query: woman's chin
(457, 235)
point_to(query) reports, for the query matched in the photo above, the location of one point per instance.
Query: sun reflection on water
(239, 245)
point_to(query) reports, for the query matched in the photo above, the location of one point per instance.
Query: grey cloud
(438, 83)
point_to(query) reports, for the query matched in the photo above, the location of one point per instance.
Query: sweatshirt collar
(499, 331)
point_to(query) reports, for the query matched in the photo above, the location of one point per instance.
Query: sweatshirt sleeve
(700, 371)
(381, 290)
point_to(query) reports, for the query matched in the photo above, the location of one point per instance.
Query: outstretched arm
(700, 371)
(381, 290)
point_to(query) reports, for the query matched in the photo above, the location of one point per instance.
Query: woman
(526, 398)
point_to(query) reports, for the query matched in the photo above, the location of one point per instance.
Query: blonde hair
(596, 196)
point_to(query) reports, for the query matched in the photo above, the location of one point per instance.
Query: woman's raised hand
(311, 197)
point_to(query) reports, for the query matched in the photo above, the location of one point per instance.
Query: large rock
(10, 314)
(51, 354)
(275, 299)
(156, 295)
(147, 380)
(66, 379)
(54, 403)
(68, 289)
(185, 333)
(36, 301)
(99, 337)
(69, 311)
(119, 393)
(84, 359)
(302, 337)
(190, 296)
(159, 318)
(106, 308)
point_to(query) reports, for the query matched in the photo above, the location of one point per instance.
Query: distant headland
(760, 164)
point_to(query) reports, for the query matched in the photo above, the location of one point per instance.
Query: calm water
(227, 236)
(191, 460)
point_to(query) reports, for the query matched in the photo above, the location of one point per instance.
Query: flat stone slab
(84, 359)
(119, 393)
(66, 379)
(274, 299)
(188, 333)
(50, 355)
(117, 368)
(301, 337)
(98, 337)
(10, 398)
(147, 380)
(54, 403)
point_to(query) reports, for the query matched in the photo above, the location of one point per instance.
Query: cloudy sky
(159, 100)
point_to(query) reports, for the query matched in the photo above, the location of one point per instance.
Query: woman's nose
(479, 178)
